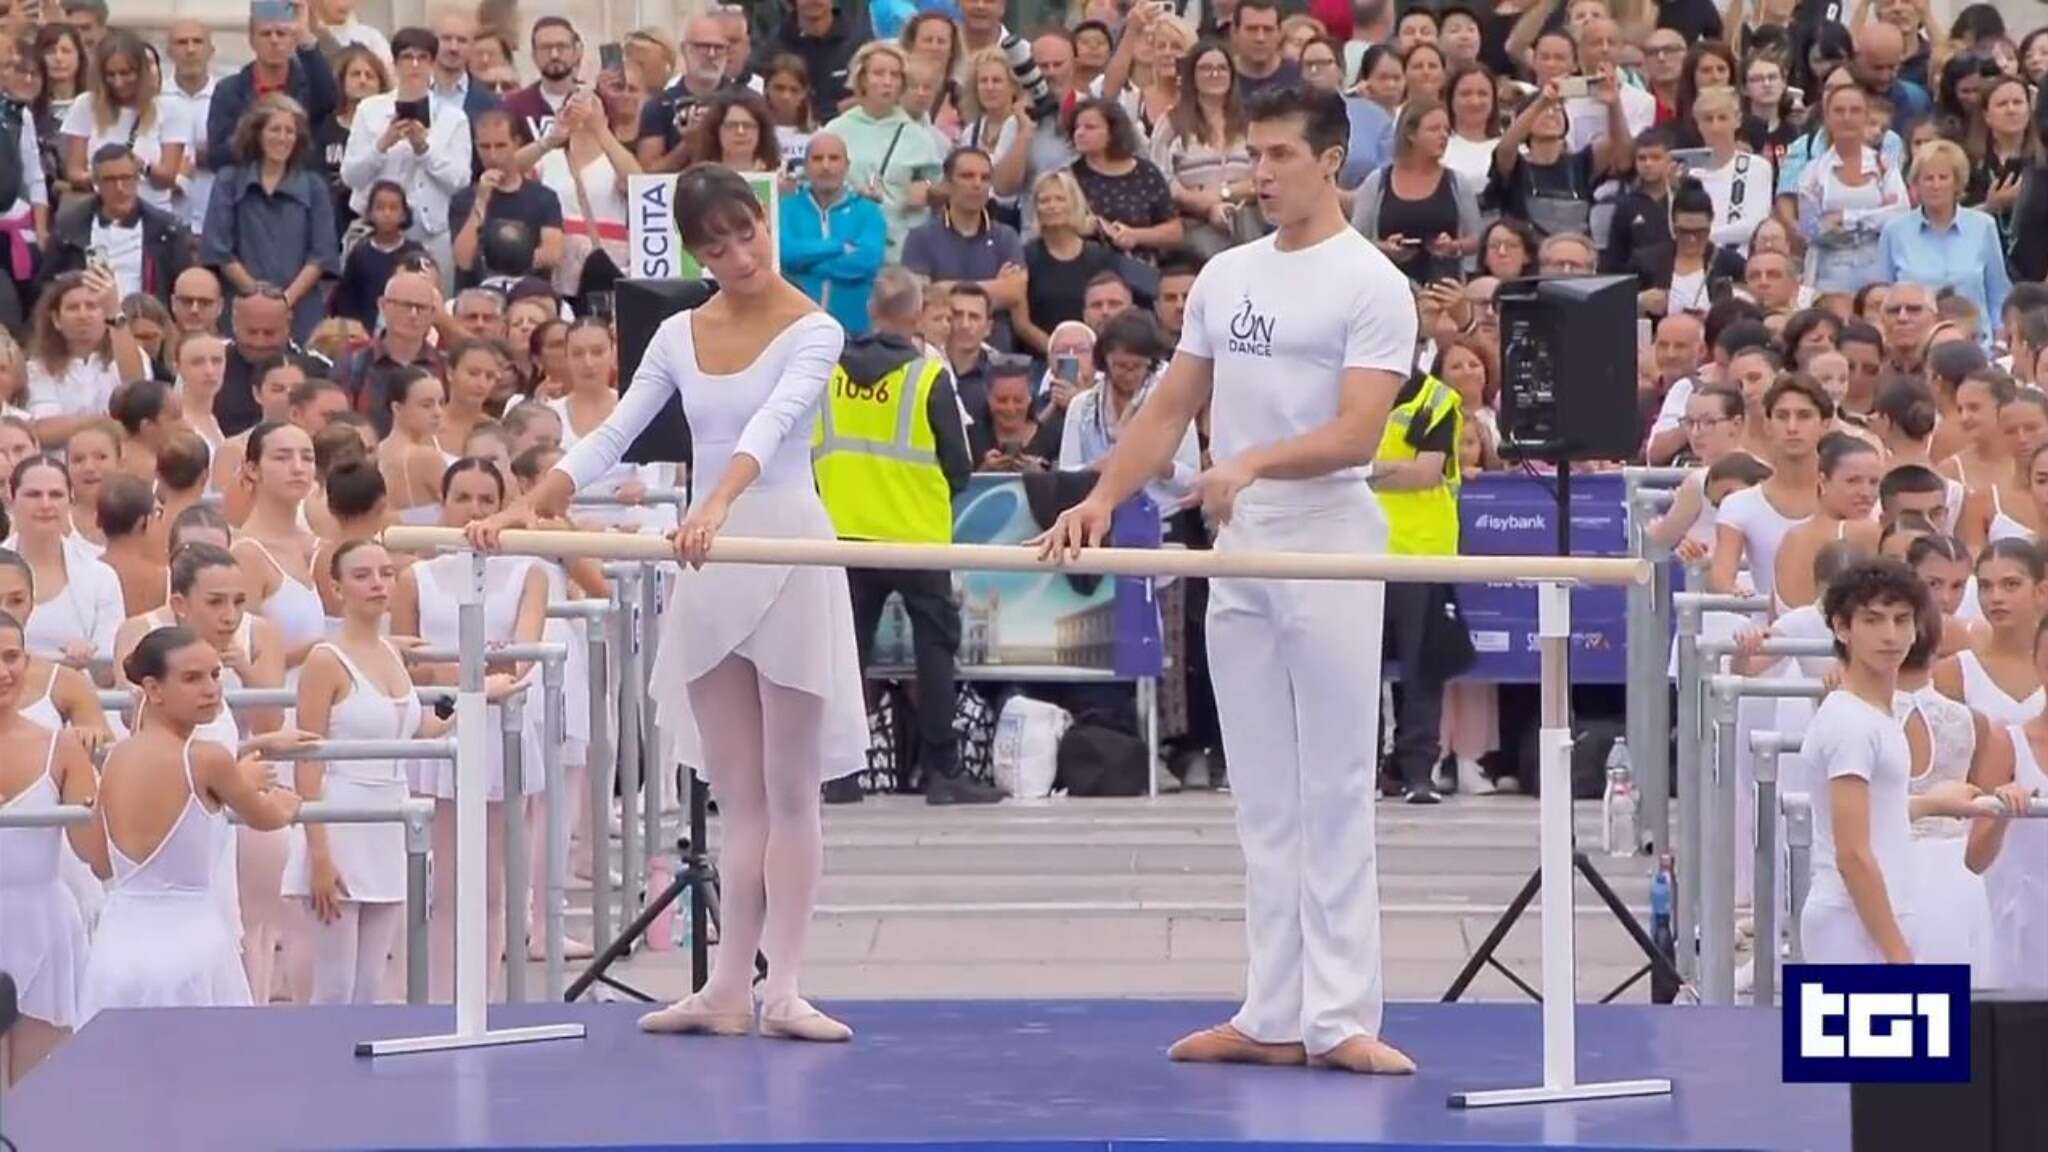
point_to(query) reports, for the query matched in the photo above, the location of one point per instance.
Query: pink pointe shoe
(795, 1019)
(691, 1016)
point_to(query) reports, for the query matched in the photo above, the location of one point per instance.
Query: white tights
(762, 744)
(267, 923)
(441, 921)
(350, 955)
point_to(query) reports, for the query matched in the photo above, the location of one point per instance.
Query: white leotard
(42, 933)
(2017, 884)
(2004, 527)
(1763, 530)
(1981, 692)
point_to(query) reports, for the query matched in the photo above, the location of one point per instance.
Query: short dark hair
(1324, 120)
(1879, 581)
(1105, 276)
(354, 487)
(972, 291)
(111, 152)
(1740, 336)
(712, 203)
(416, 40)
(182, 463)
(954, 157)
(1180, 262)
(1860, 332)
(1732, 403)
(1907, 479)
(1799, 383)
(1132, 332)
(553, 22)
(1123, 133)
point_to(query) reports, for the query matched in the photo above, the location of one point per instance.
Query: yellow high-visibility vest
(877, 462)
(1424, 521)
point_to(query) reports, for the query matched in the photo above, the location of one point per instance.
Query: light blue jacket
(833, 253)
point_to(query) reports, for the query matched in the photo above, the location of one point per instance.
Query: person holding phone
(1423, 215)
(400, 137)
(893, 159)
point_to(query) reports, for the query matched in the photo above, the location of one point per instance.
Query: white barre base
(1611, 1090)
(455, 1042)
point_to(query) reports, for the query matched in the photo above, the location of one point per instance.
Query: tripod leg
(1484, 954)
(1659, 963)
(624, 941)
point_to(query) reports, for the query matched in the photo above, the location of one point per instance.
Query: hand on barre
(267, 744)
(499, 685)
(1085, 525)
(484, 534)
(694, 536)
(2008, 800)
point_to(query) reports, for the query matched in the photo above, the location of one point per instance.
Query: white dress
(1952, 922)
(88, 890)
(1981, 692)
(440, 582)
(294, 607)
(161, 941)
(370, 857)
(2017, 883)
(1850, 737)
(42, 934)
(794, 623)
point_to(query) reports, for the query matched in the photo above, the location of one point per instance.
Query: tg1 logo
(1877, 1023)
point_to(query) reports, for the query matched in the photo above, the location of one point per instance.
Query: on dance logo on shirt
(1251, 334)
(1877, 1023)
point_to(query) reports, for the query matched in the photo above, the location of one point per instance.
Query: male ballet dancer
(1299, 342)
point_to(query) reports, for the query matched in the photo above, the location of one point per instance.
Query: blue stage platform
(1071, 1076)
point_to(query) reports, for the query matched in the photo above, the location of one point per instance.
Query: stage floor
(1026, 1075)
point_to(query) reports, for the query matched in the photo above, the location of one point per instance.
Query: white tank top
(1981, 692)
(2004, 527)
(1763, 529)
(1952, 741)
(295, 607)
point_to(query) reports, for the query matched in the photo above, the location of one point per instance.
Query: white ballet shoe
(691, 1016)
(796, 1019)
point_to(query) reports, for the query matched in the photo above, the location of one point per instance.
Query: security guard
(1415, 476)
(890, 453)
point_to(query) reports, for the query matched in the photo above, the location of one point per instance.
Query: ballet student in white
(757, 679)
(1857, 756)
(351, 877)
(274, 545)
(42, 934)
(1995, 673)
(2012, 855)
(78, 598)
(164, 794)
(1299, 385)
(426, 603)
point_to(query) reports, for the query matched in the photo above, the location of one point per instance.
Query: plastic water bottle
(1618, 804)
(1663, 933)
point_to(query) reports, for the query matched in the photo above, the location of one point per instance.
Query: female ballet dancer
(2012, 855)
(593, 367)
(1849, 473)
(1996, 673)
(427, 605)
(2008, 507)
(409, 458)
(78, 599)
(351, 877)
(54, 695)
(474, 370)
(1952, 918)
(42, 934)
(93, 453)
(164, 795)
(1854, 912)
(756, 682)
(274, 546)
(357, 504)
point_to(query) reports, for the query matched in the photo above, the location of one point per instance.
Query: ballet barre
(1692, 731)
(416, 814)
(120, 699)
(1717, 875)
(1553, 577)
(596, 618)
(675, 496)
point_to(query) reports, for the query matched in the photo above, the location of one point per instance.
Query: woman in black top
(2001, 152)
(1416, 210)
(1060, 262)
(1127, 194)
(361, 75)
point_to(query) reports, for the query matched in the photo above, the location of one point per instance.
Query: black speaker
(641, 306)
(1568, 368)
(2001, 1109)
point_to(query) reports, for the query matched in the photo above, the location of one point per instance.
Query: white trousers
(1296, 666)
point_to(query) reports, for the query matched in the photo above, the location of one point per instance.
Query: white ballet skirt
(2017, 882)
(42, 933)
(161, 941)
(87, 890)
(794, 623)
(369, 857)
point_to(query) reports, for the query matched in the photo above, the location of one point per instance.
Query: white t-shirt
(168, 128)
(124, 252)
(195, 185)
(1281, 328)
(1848, 737)
(1742, 191)
(85, 389)
(1763, 530)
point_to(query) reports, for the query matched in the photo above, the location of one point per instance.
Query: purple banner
(1515, 514)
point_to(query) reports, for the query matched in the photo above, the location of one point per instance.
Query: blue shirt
(832, 254)
(1371, 144)
(1965, 256)
(274, 235)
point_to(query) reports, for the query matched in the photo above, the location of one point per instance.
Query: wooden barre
(1018, 558)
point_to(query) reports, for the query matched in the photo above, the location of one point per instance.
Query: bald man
(832, 240)
(189, 91)
(1880, 50)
